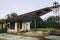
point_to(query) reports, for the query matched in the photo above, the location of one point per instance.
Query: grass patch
(2, 39)
(3, 30)
(43, 29)
(49, 31)
(46, 31)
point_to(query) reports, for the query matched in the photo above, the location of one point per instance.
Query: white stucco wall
(3, 25)
(13, 30)
(16, 26)
(26, 26)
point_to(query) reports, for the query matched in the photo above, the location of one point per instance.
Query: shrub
(3, 30)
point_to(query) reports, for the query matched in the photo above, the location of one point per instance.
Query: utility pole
(35, 24)
(35, 20)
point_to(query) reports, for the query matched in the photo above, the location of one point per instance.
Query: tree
(53, 21)
(8, 16)
(50, 21)
(39, 23)
(11, 15)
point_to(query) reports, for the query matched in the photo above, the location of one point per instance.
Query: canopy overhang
(31, 15)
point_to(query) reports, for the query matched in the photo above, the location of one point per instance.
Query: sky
(22, 6)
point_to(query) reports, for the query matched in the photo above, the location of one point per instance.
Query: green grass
(2, 39)
(43, 29)
(46, 31)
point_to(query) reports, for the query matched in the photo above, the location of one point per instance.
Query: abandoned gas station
(22, 22)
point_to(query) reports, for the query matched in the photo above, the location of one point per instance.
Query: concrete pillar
(16, 26)
(8, 24)
(23, 27)
(0, 26)
(4, 25)
(28, 26)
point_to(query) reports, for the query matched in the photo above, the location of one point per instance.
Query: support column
(35, 24)
(28, 26)
(23, 26)
(16, 26)
(4, 25)
(8, 24)
(8, 27)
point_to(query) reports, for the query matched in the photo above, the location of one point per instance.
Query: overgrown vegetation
(2, 39)
(3, 30)
(11, 15)
(51, 22)
(51, 25)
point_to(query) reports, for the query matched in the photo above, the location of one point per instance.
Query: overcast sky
(22, 6)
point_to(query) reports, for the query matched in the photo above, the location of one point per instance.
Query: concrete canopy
(31, 15)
